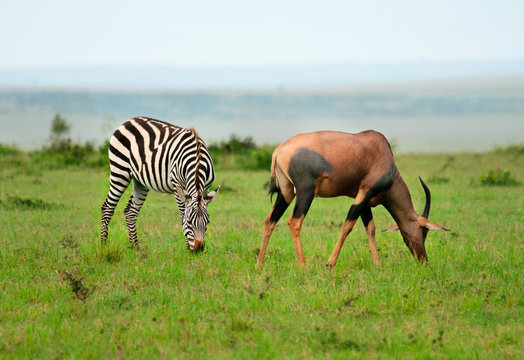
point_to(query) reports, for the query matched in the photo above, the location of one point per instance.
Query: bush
(256, 159)
(241, 154)
(497, 177)
(235, 145)
(15, 202)
(59, 130)
(64, 153)
(9, 150)
(510, 150)
(436, 179)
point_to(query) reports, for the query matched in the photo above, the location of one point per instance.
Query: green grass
(62, 295)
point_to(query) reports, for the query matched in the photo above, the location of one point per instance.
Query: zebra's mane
(198, 164)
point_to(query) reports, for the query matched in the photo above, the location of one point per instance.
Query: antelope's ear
(211, 195)
(182, 194)
(423, 222)
(392, 228)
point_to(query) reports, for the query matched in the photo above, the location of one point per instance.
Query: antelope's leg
(351, 219)
(269, 224)
(346, 229)
(295, 224)
(367, 218)
(303, 202)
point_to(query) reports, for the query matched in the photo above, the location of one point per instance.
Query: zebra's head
(195, 217)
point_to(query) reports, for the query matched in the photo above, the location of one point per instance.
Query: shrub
(8, 150)
(15, 202)
(497, 177)
(510, 150)
(436, 179)
(235, 145)
(59, 130)
(65, 153)
(241, 154)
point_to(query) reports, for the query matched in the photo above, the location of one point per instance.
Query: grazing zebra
(166, 158)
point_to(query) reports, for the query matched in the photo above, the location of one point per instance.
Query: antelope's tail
(272, 187)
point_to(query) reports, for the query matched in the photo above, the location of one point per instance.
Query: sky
(234, 33)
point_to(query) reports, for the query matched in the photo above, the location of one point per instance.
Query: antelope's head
(425, 225)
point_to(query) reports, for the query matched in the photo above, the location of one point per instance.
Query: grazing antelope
(329, 164)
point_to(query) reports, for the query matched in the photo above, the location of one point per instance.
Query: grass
(62, 295)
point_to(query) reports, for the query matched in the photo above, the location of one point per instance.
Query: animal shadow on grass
(80, 291)
(16, 202)
(70, 274)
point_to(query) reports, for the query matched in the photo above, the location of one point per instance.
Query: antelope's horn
(427, 206)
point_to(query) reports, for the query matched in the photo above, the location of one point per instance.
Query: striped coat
(169, 159)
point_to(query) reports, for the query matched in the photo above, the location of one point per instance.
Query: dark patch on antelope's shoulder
(385, 181)
(308, 165)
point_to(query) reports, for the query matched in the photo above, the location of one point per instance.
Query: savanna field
(64, 296)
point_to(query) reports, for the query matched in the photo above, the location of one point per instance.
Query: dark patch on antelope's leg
(366, 215)
(305, 197)
(279, 208)
(270, 223)
(354, 212)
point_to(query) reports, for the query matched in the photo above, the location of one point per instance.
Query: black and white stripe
(165, 158)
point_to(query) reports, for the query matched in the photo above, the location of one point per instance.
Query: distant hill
(271, 77)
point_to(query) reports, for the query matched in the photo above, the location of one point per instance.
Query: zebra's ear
(211, 195)
(182, 194)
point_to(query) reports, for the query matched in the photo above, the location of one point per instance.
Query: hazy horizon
(255, 77)
(437, 116)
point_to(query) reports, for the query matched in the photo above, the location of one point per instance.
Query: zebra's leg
(118, 183)
(180, 197)
(133, 208)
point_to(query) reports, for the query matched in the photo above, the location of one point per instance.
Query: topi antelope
(329, 164)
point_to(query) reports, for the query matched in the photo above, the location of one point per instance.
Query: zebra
(166, 158)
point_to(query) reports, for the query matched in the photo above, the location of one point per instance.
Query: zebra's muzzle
(196, 245)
